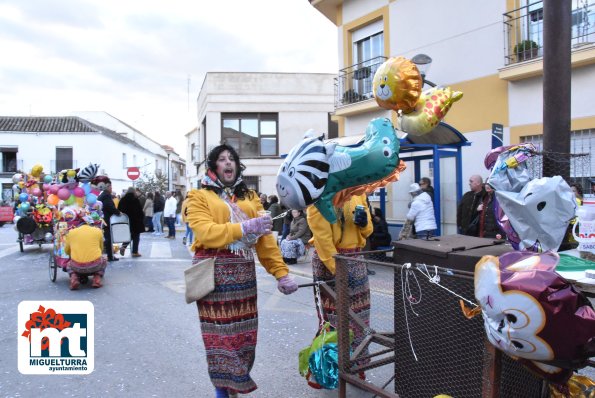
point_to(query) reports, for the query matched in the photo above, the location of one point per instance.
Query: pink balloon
(78, 192)
(64, 193)
(46, 187)
(36, 192)
(54, 189)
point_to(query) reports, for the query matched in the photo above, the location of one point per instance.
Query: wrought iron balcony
(523, 30)
(354, 83)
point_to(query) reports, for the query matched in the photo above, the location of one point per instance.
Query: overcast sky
(133, 58)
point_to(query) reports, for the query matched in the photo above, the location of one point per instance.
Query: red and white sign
(133, 173)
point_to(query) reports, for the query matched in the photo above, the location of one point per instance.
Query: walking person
(169, 214)
(276, 209)
(148, 210)
(189, 236)
(104, 184)
(426, 185)
(179, 201)
(223, 215)
(130, 205)
(158, 206)
(347, 236)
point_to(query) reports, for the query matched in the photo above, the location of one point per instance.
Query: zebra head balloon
(303, 175)
(314, 172)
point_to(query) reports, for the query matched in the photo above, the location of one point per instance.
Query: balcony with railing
(354, 83)
(523, 30)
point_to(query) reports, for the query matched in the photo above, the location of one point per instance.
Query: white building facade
(502, 84)
(60, 143)
(262, 115)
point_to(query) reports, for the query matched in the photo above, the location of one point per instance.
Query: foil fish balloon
(430, 109)
(314, 172)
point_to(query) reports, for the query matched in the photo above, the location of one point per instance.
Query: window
(251, 182)
(9, 159)
(251, 134)
(63, 158)
(368, 45)
(582, 164)
(192, 149)
(124, 161)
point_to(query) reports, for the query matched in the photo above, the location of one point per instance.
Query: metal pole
(556, 86)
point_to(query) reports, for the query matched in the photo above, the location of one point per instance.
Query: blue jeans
(189, 233)
(171, 225)
(157, 222)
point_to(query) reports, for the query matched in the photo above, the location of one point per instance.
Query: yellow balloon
(397, 84)
(36, 170)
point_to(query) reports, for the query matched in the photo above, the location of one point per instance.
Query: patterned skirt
(93, 267)
(359, 295)
(292, 248)
(229, 321)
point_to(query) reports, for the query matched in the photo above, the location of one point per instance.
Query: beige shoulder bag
(200, 280)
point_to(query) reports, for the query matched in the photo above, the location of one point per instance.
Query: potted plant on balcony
(350, 96)
(525, 50)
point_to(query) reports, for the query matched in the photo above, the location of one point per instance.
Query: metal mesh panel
(412, 317)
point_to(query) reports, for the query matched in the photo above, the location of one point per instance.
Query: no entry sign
(133, 173)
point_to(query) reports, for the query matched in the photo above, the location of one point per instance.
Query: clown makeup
(226, 168)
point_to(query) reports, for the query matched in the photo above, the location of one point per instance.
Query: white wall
(87, 148)
(302, 101)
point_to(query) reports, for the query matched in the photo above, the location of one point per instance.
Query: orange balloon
(53, 199)
(397, 84)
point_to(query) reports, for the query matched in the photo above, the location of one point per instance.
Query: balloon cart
(35, 228)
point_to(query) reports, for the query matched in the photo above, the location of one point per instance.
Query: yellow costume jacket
(209, 217)
(344, 234)
(84, 244)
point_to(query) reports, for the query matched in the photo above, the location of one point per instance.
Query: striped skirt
(229, 321)
(359, 294)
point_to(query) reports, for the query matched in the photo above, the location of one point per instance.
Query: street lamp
(169, 151)
(423, 63)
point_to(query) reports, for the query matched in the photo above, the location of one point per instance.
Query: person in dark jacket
(426, 186)
(158, 206)
(130, 205)
(276, 209)
(488, 227)
(467, 215)
(286, 224)
(380, 236)
(104, 184)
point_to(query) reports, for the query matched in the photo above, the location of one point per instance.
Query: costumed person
(223, 216)
(169, 214)
(104, 184)
(421, 213)
(158, 206)
(467, 217)
(294, 245)
(488, 226)
(189, 236)
(130, 205)
(84, 244)
(347, 236)
(148, 210)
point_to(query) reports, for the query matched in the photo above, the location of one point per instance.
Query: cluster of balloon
(27, 189)
(398, 86)
(328, 174)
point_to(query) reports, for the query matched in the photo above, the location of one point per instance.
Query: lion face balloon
(533, 314)
(397, 85)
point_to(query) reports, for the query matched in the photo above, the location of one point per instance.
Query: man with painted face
(224, 218)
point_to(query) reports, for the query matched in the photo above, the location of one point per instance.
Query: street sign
(133, 173)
